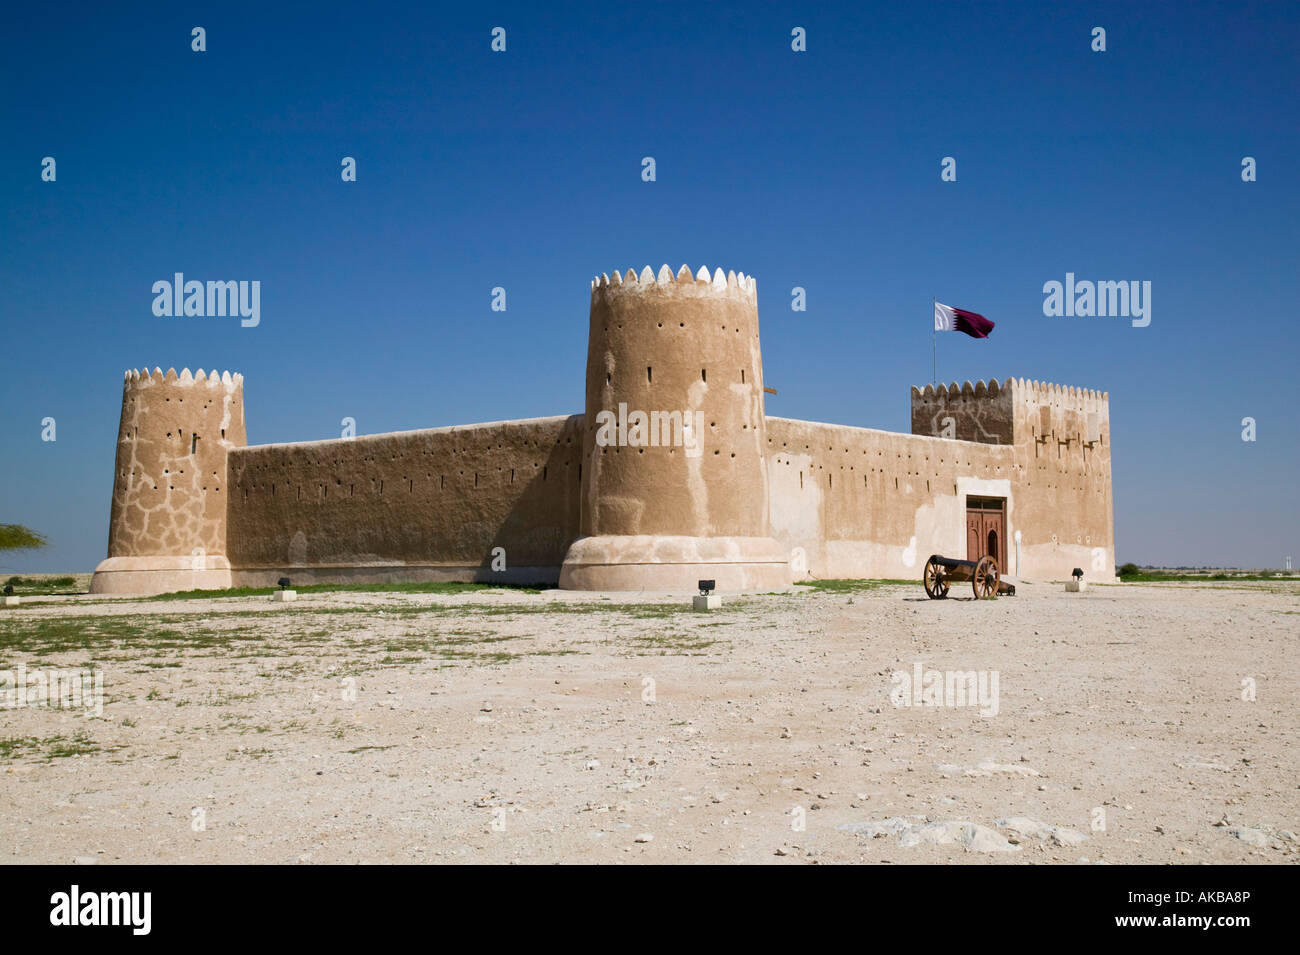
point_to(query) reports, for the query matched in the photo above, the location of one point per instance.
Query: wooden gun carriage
(983, 574)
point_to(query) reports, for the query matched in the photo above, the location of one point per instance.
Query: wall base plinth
(645, 562)
(145, 576)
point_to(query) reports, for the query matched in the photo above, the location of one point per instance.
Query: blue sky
(522, 169)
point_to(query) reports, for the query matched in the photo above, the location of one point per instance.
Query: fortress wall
(408, 506)
(1064, 437)
(865, 503)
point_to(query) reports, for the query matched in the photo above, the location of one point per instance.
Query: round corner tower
(674, 479)
(167, 529)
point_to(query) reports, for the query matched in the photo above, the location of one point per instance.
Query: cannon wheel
(985, 579)
(936, 588)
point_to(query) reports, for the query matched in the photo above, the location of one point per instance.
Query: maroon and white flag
(949, 319)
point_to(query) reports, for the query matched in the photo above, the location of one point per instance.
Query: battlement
(1013, 411)
(731, 283)
(980, 389)
(144, 378)
(1059, 396)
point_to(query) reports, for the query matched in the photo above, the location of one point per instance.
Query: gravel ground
(502, 726)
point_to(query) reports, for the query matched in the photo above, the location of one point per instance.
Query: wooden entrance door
(986, 529)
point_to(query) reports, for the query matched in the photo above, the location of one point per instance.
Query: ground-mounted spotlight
(10, 599)
(1076, 585)
(284, 594)
(707, 599)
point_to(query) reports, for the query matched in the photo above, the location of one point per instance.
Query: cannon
(983, 574)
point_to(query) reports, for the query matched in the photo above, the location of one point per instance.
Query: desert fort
(672, 473)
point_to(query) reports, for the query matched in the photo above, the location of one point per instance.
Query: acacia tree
(17, 537)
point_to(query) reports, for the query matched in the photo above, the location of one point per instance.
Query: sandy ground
(508, 727)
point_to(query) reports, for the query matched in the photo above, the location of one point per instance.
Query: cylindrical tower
(674, 457)
(167, 529)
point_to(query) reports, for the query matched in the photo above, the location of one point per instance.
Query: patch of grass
(665, 643)
(843, 586)
(51, 747)
(44, 586)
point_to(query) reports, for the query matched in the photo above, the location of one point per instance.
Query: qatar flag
(949, 319)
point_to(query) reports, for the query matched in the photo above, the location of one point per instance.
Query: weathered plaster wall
(414, 505)
(676, 343)
(865, 503)
(1068, 508)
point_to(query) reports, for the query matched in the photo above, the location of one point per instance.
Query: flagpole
(934, 346)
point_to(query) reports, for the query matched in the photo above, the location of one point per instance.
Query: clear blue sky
(523, 170)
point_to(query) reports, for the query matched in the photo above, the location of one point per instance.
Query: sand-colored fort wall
(673, 474)
(857, 502)
(409, 506)
(862, 503)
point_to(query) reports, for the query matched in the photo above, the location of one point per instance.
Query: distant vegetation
(1132, 573)
(43, 586)
(17, 537)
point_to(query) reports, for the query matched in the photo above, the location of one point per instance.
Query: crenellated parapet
(1015, 411)
(1061, 413)
(983, 412)
(718, 283)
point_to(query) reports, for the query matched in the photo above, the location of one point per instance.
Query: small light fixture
(707, 587)
(1077, 573)
(9, 590)
(284, 583)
